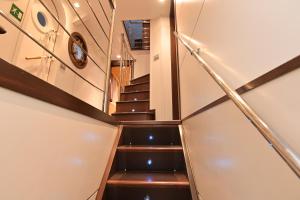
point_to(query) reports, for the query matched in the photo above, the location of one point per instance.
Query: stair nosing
(133, 101)
(137, 84)
(125, 113)
(150, 148)
(141, 91)
(137, 182)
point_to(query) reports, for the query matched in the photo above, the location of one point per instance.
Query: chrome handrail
(88, 30)
(46, 49)
(113, 8)
(98, 21)
(108, 66)
(282, 149)
(69, 34)
(126, 47)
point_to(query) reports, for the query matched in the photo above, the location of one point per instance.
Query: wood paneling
(174, 65)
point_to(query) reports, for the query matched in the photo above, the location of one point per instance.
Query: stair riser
(133, 107)
(134, 88)
(150, 136)
(135, 96)
(141, 80)
(168, 161)
(137, 193)
(134, 117)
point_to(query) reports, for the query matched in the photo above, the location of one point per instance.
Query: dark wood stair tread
(142, 83)
(145, 148)
(139, 91)
(126, 113)
(151, 123)
(171, 179)
(133, 101)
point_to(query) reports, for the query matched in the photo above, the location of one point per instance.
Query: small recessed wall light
(147, 197)
(149, 162)
(118, 56)
(151, 137)
(76, 5)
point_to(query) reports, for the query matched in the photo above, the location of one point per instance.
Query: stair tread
(148, 148)
(151, 123)
(133, 101)
(149, 178)
(142, 83)
(139, 91)
(126, 113)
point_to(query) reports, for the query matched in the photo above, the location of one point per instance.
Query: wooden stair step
(145, 78)
(137, 87)
(146, 179)
(133, 106)
(135, 95)
(150, 161)
(150, 135)
(133, 116)
(145, 148)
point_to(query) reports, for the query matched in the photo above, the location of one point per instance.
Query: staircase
(149, 164)
(134, 101)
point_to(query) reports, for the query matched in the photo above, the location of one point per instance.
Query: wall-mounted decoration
(78, 50)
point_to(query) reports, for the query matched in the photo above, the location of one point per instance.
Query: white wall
(54, 72)
(142, 64)
(48, 152)
(232, 161)
(241, 40)
(160, 70)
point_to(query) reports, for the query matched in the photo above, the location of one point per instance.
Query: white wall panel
(48, 152)
(277, 102)
(197, 88)
(243, 40)
(160, 69)
(232, 161)
(142, 64)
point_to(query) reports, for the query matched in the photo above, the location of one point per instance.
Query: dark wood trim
(152, 123)
(18, 80)
(174, 65)
(261, 80)
(157, 149)
(109, 164)
(116, 63)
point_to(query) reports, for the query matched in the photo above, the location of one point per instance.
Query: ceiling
(136, 9)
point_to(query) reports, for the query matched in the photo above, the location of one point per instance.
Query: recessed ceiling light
(161, 1)
(76, 5)
(118, 56)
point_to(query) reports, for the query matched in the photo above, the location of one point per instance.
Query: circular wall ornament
(78, 50)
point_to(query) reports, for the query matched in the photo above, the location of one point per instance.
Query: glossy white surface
(240, 39)
(52, 71)
(160, 69)
(142, 64)
(232, 161)
(277, 102)
(48, 152)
